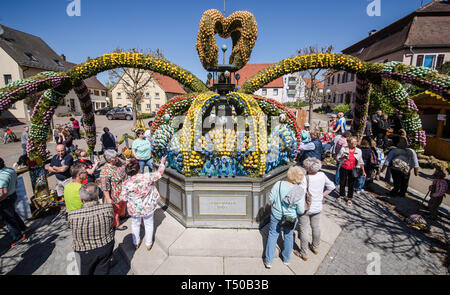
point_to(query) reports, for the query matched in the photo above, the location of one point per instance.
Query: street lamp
(326, 97)
(224, 48)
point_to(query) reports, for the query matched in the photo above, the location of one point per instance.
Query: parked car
(120, 113)
(103, 111)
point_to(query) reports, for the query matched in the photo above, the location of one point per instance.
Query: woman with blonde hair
(287, 200)
(318, 186)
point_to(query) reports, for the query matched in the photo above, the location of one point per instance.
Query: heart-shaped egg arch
(241, 26)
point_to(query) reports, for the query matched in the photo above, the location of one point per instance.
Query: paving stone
(183, 265)
(254, 266)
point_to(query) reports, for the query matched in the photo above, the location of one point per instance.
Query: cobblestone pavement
(371, 230)
(48, 250)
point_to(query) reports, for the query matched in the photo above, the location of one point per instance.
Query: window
(332, 80)
(419, 62)
(147, 95)
(440, 61)
(275, 92)
(119, 105)
(328, 81)
(157, 106)
(156, 95)
(264, 92)
(338, 79)
(139, 107)
(30, 57)
(8, 79)
(429, 61)
(96, 93)
(58, 62)
(118, 95)
(353, 77)
(344, 77)
(103, 93)
(148, 106)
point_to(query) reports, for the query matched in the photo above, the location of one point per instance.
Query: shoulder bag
(308, 197)
(286, 222)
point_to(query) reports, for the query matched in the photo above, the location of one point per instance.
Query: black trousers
(346, 178)
(400, 183)
(382, 140)
(10, 217)
(97, 261)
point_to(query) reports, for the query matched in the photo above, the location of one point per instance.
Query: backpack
(401, 165)
(373, 158)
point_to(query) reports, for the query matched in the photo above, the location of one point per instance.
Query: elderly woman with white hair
(111, 178)
(287, 198)
(318, 186)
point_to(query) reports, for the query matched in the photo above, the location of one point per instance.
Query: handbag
(286, 222)
(308, 197)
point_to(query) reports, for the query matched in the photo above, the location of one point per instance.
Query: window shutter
(440, 61)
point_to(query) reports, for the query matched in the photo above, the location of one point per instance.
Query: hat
(306, 124)
(333, 116)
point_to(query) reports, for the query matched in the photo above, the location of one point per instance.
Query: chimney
(63, 57)
(372, 32)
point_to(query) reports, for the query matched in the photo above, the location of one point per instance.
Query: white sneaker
(267, 265)
(286, 263)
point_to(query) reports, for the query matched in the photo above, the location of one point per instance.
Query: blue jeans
(274, 232)
(336, 179)
(360, 184)
(148, 163)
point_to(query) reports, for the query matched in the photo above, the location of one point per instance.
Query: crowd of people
(97, 195)
(299, 198)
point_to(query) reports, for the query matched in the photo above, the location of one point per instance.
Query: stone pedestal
(212, 202)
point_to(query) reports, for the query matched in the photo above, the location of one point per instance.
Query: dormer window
(58, 62)
(30, 56)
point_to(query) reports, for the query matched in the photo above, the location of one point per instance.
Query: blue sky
(283, 26)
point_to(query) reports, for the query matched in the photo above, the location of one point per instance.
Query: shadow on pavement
(34, 257)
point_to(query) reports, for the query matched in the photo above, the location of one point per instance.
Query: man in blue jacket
(312, 149)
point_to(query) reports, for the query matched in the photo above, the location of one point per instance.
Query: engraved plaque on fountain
(232, 205)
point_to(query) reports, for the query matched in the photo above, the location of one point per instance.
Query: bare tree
(134, 81)
(313, 73)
